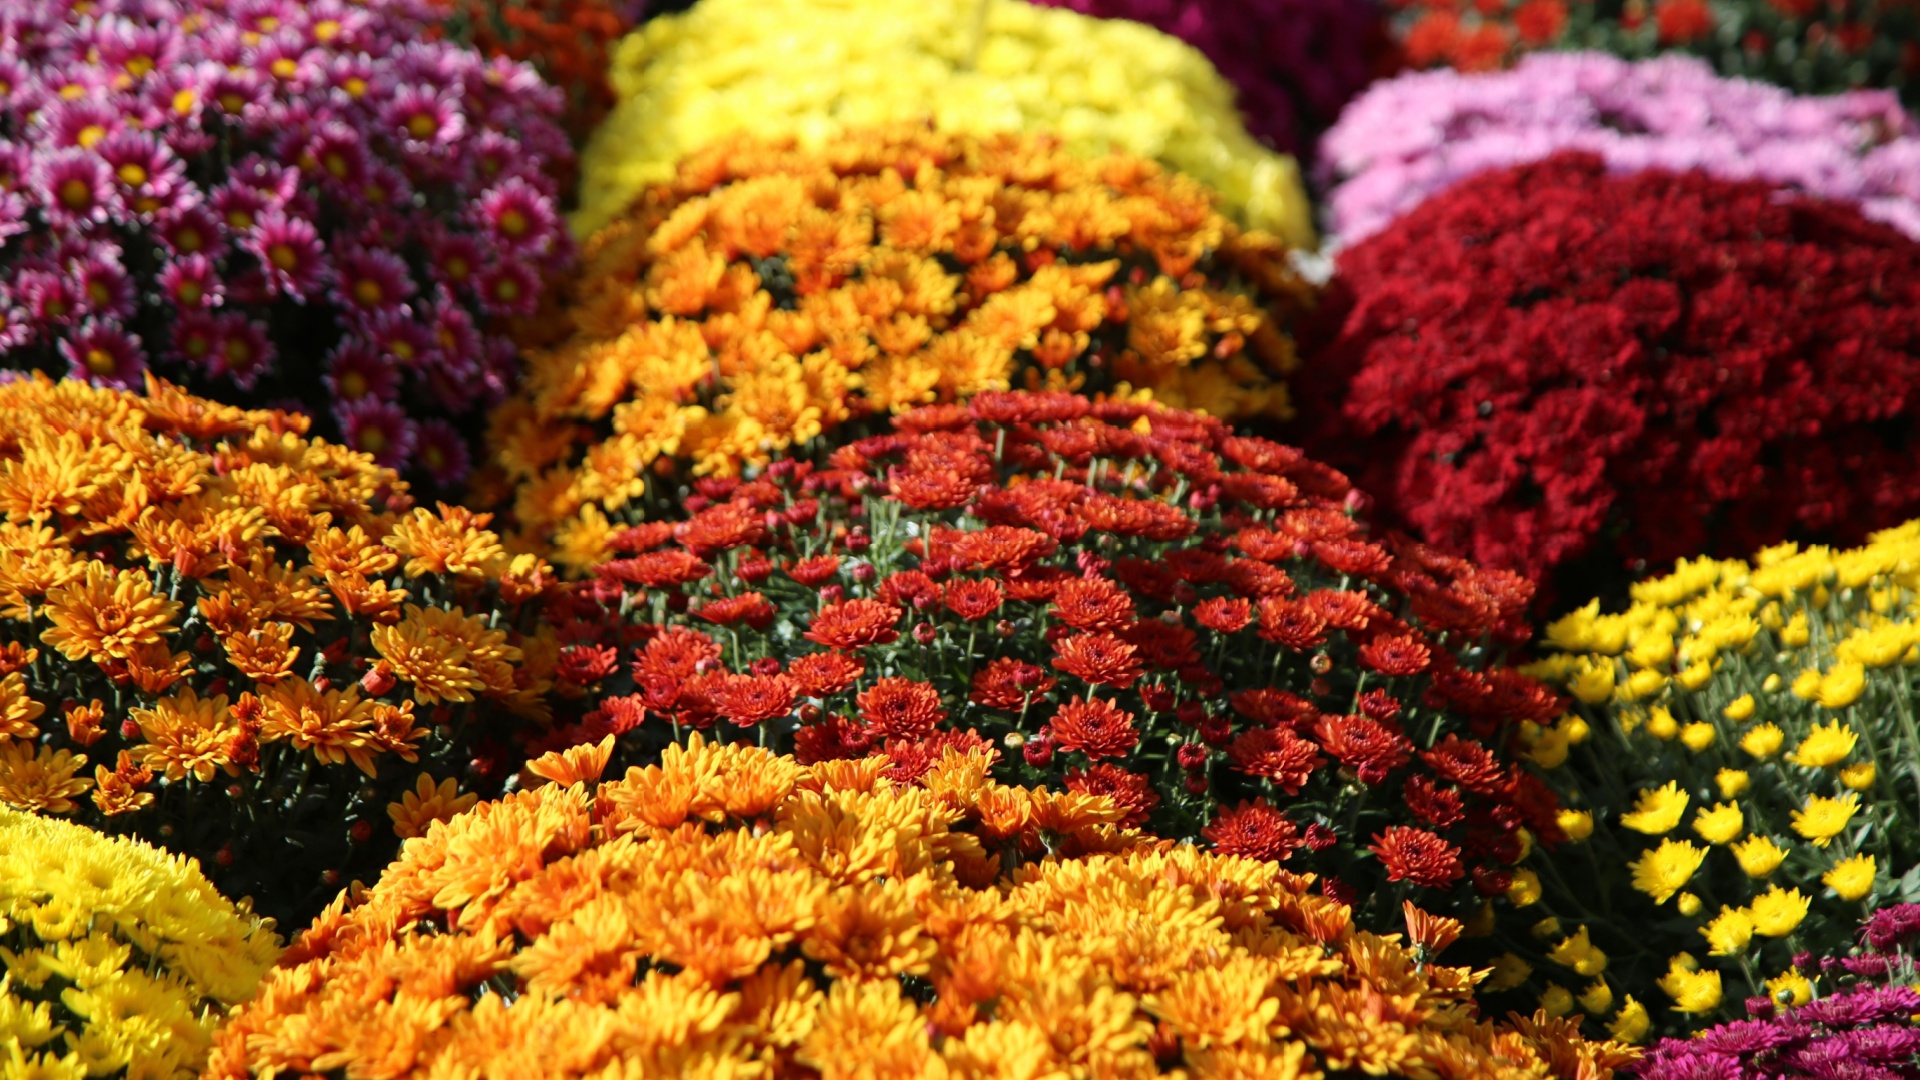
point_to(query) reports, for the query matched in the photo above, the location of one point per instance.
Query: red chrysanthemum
(1224, 614)
(1101, 659)
(676, 653)
(1372, 749)
(1092, 604)
(1255, 830)
(821, 674)
(747, 700)
(1396, 654)
(1293, 623)
(657, 569)
(749, 608)
(1130, 791)
(1438, 806)
(854, 624)
(1277, 754)
(816, 571)
(1096, 728)
(1466, 763)
(1418, 856)
(972, 599)
(900, 708)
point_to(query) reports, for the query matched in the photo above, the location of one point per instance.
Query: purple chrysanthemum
(239, 190)
(379, 428)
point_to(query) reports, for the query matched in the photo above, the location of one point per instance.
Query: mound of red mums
(1115, 598)
(1549, 367)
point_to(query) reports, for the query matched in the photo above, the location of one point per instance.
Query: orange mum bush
(771, 293)
(730, 912)
(243, 644)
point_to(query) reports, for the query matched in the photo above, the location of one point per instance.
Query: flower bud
(1196, 783)
(1192, 756)
(923, 633)
(1038, 751)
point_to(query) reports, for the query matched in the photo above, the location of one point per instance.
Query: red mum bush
(1118, 599)
(1547, 362)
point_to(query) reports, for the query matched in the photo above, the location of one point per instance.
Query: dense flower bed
(1809, 47)
(1113, 598)
(730, 912)
(1293, 63)
(1410, 137)
(121, 960)
(271, 202)
(769, 295)
(245, 645)
(1842, 1017)
(1750, 772)
(1548, 363)
(815, 67)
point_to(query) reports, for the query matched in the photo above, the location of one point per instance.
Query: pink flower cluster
(309, 202)
(1411, 137)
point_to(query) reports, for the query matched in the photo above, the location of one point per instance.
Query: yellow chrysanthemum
(1759, 856)
(1776, 912)
(1657, 811)
(1720, 825)
(1822, 818)
(1692, 989)
(1825, 746)
(1729, 932)
(1763, 741)
(1851, 878)
(1660, 872)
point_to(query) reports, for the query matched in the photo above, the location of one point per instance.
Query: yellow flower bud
(1577, 824)
(1597, 997)
(1720, 825)
(1695, 676)
(1645, 683)
(1661, 725)
(1652, 651)
(1692, 990)
(1631, 1025)
(1688, 904)
(1546, 928)
(1851, 879)
(1578, 952)
(1509, 971)
(1806, 685)
(1763, 742)
(1593, 683)
(1556, 1001)
(1759, 855)
(1795, 633)
(1729, 932)
(1859, 776)
(1525, 890)
(1772, 683)
(1731, 782)
(1739, 709)
(1697, 736)
(1574, 729)
(1790, 988)
(1843, 685)
(1549, 749)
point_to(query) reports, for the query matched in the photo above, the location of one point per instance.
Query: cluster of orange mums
(731, 913)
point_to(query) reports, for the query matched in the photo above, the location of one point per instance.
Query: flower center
(353, 384)
(457, 269)
(422, 125)
(337, 164)
(188, 240)
(403, 349)
(90, 134)
(283, 256)
(132, 175)
(367, 291)
(239, 353)
(513, 223)
(373, 440)
(100, 362)
(507, 289)
(189, 292)
(285, 67)
(77, 194)
(240, 219)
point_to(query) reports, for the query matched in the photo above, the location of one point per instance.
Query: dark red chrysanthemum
(1255, 830)
(854, 624)
(900, 708)
(1396, 654)
(1005, 683)
(1372, 749)
(1418, 856)
(1438, 806)
(1466, 763)
(1095, 728)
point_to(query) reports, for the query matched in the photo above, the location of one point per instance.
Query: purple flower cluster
(306, 200)
(1411, 137)
(1864, 1030)
(1294, 63)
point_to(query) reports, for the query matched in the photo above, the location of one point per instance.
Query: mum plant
(731, 911)
(1410, 137)
(275, 202)
(120, 958)
(1549, 367)
(813, 69)
(1112, 598)
(1845, 1016)
(1751, 767)
(247, 645)
(1808, 47)
(772, 293)
(1293, 63)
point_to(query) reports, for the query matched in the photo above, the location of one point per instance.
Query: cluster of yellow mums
(1744, 738)
(118, 956)
(813, 68)
(771, 293)
(729, 912)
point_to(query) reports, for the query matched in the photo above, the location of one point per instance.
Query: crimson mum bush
(1123, 599)
(1546, 363)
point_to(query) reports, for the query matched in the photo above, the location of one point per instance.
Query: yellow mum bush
(813, 68)
(119, 958)
(1746, 750)
(771, 292)
(730, 912)
(244, 644)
